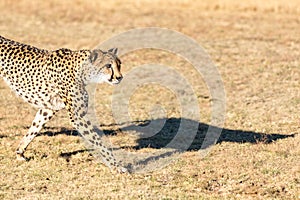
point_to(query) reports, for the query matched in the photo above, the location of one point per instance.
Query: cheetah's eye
(108, 66)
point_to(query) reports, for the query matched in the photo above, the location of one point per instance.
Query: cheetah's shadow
(169, 131)
(171, 128)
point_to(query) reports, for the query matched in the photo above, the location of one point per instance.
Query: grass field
(254, 44)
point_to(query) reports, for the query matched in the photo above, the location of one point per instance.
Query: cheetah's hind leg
(41, 118)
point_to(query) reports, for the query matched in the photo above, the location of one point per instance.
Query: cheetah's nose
(119, 78)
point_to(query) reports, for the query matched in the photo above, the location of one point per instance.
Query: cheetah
(55, 80)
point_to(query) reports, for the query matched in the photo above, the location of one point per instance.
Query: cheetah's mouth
(115, 81)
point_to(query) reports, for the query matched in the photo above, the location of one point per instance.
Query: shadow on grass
(69, 154)
(65, 131)
(167, 134)
(170, 129)
(62, 131)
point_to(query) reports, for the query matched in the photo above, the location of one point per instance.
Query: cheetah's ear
(113, 50)
(94, 56)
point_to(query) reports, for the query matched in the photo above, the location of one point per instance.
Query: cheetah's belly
(43, 97)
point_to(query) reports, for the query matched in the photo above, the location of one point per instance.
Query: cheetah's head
(105, 66)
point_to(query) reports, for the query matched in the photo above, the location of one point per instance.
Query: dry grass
(256, 47)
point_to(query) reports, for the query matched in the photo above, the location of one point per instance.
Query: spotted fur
(53, 80)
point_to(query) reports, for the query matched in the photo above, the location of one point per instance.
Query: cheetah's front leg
(77, 109)
(86, 129)
(41, 117)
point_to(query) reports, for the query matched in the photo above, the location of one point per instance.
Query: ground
(254, 44)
